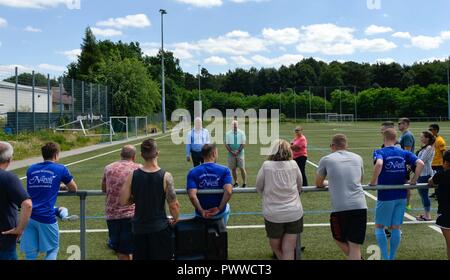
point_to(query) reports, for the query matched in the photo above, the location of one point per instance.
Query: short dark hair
(208, 150)
(404, 120)
(50, 150)
(434, 126)
(446, 156)
(340, 141)
(149, 149)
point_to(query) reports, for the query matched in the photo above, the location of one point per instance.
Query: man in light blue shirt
(195, 140)
(235, 142)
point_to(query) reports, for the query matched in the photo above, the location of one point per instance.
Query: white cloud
(286, 59)
(106, 32)
(402, 35)
(3, 22)
(50, 67)
(445, 35)
(331, 39)
(431, 59)
(242, 61)
(32, 29)
(71, 55)
(284, 36)
(375, 45)
(385, 60)
(426, 42)
(7, 70)
(33, 4)
(232, 46)
(375, 29)
(215, 60)
(133, 21)
(237, 34)
(202, 3)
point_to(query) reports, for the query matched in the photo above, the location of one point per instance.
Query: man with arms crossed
(348, 219)
(390, 169)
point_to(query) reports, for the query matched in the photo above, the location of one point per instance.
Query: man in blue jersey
(390, 169)
(209, 176)
(195, 140)
(43, 183)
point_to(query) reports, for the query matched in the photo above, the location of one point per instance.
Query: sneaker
(433, 195)
(243, 185)
(236, 185)
(408, 207)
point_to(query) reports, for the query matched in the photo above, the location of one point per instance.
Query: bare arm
(419, 167)
(320, 181)
(194, 200)
(104, 183)
(171, 198)
(25, 213)
(72, 186)
(228, 191)
(376, 172)
(260, 180)
(125, 193)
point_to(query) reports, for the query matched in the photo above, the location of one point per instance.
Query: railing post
(82, 196)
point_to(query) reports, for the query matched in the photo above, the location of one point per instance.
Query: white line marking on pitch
(104, 154)
(250, 226)
(408, 216)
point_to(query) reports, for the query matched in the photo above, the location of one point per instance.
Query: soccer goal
(89, 125)
(319, 117)
(340, 118)
(118, 128)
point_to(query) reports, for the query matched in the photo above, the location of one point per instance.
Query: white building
(8, 102)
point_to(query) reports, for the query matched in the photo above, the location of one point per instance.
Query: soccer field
(419, 241)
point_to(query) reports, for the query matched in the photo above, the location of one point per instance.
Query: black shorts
(120, 236)
(443, 221)
(349, 226)
(155, 246)
(277, 230)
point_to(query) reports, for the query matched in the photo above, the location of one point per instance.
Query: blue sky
(45, 35)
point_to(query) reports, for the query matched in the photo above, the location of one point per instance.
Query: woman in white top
(426, 154)
(279, 181)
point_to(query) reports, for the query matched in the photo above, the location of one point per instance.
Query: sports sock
(382, 242)
(395, 242)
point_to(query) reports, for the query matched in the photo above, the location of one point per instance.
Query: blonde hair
(281, 151)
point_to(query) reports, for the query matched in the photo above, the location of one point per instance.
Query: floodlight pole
(163, 12)
(199, 90)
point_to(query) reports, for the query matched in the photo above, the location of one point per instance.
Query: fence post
(90, 98)
(106, 101)
(33, 78)
(60, 97)
(17, 101)
(82, 196)
(48, 100)
(82, 97)
(73, 100)
(98, 98)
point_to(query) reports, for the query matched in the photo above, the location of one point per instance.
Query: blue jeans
(8, 255)
(424, 193)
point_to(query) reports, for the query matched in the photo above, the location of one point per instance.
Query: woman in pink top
(299, 147)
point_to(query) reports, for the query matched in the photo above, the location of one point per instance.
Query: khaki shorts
(236, 162)
(277, 230)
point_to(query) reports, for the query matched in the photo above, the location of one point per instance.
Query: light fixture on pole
(163, 87)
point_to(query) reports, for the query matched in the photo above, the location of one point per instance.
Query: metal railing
(84, 194)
